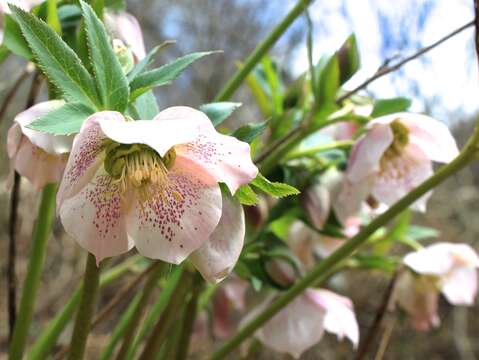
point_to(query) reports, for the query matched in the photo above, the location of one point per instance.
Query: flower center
(138, 167)
(400, 139)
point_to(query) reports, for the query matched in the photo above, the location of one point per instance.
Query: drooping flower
(301, 324)
(443, 267)
(38, 156)
(392, 158)
(152, 184)
(125, 27)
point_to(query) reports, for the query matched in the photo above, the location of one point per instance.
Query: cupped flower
(38, 156)
(301, 324)
(392, 158)
(125, 27)
(152, 184)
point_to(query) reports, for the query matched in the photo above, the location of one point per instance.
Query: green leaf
(219, 111)
(147, 61)
(259, 94)
(378, 262)
(66, 120)
(390, 106)
(13, 39)
(249, 132)
(328, 80)
(348, 57)
(280, 227)
(163, 75)
(58, 61)
(145, 107)
(274, 84)
(417, 232)
(246, 196)
(115, 4)
(111, 81)
(275, 189)
(52, 16)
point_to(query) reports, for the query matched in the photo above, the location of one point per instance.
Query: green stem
(163, 325)
(41, 234)
(91, 282)
(234, 83)
(150, 285)
(319, 272)
(344, 144)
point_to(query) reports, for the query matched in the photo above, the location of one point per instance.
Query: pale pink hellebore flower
(153, 184)
(38, 156)
(301, 324)
(443, 267)
(392, 158)
(125, 27)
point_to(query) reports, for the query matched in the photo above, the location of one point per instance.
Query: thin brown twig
(388, 331)
(476, 24)
(14, 200)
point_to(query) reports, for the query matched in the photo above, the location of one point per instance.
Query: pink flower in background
(39, 157)
(126, 28)
(443, 267)
(301, 324)
(392, 158)
(153, 184)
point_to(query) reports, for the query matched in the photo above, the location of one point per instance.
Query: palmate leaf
(57, 60)
(142, 66)
(111, 81)
(275, 189)
(164, 74)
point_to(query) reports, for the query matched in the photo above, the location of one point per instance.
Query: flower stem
(317, 274)
(91, 282)
(41, 234)
(343, 144)
(234, 83)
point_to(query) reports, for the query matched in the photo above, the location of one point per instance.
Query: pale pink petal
(86, 156)
(14, 138)
(340, 318)
(460, 286)
(171, 225)
(94, 218)
(295, 329)
(326, 245)
(431, 136)
(170, 127)
(125, 26)
(218, 255)
(37, 166)
(418, 296)
(316, 201)
(367, 152)
(401, 174)
(52, 144)
(351, 197)
(300, 241)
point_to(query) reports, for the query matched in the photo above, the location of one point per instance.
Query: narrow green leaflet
(349, 60)
(111, 81)
(58, 61)
(219, 111)
(246, 196)
(328, 80)
(275, 189)
(14, 40)
(64, 121)
(389, 106)
(249, 132)
(147, 61)
(163, 75)
(145, 107)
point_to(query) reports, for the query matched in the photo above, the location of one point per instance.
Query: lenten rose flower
(125, 27)
(392, 158)
(153, 184)
(447, 268)
(38, 156)
(301, 324)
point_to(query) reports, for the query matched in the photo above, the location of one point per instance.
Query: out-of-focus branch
(13, 91)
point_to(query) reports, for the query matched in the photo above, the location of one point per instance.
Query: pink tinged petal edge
(340, 318)
(94, 218)
(460, 286)
(86, 156)
(52, 144)
(367, 152)
(402, 174)
(295, 329)
(218, 255)
(125, 26)
(169, 228)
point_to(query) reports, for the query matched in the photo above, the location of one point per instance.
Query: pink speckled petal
(37, 166)
(340, 318)
(125, 26)
(218, 255)
(86, 155)
(170, 226)
(52, 144)
(94, 218)
(293, 330)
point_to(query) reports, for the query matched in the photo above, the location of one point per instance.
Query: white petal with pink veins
(95, 219)
(216, 258)
(367, 152)
(86, 155)
(460, 286)
(176, 222)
